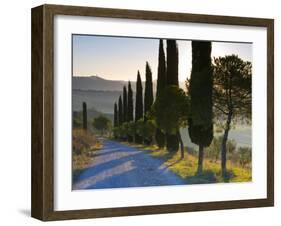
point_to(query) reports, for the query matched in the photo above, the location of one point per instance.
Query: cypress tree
(200, 124)
(125, 104)
(139, 105)
(130, 111)
(161, 84)
(172, 140)
(161, 71)
(120, 111)
(115, 122)
(172, 63)
(148, 95)
(125, 107)
(148, 92)
(84, 116)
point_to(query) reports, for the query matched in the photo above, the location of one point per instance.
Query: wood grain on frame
(42, 203)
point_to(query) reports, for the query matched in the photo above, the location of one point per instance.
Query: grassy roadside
(84, 145)
(186, 168)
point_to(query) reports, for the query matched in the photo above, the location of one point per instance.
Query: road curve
(117, 165)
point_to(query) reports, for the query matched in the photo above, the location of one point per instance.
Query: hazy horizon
(119, 58)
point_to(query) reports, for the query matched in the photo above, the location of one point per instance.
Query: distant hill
(98, 83)
(99, 94)
(102, 101)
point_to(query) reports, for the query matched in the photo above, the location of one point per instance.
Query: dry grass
(186, 168)
(84, 145)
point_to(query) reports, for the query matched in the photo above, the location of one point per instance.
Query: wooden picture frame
(43, 107)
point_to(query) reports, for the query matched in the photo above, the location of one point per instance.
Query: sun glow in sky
(119, 58)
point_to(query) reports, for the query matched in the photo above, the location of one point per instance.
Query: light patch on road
(117, 170)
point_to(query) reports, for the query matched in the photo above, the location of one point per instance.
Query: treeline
(218, 92)
(100, 123)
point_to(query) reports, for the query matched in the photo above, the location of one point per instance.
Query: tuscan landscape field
(158, 112)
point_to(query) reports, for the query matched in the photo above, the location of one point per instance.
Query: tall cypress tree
(120, 111)
(172, 140)
(148, 95)
(200, 124)
(172, 63)
(125, 107)
(125, 104)
(115, 122)
(130, 111)
(84, 116)
(161, 71)
(139, 105)
(161, 84)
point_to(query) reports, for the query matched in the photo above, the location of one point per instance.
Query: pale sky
(119, 58)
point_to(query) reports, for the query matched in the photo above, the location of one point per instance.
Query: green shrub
(214, 150)
(145, 129)
(245, 156)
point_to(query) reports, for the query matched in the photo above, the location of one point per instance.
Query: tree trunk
(223, 145)
(172, 142)
(181, 144)
(200, 159)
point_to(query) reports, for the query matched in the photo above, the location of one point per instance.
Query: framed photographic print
(141, 112)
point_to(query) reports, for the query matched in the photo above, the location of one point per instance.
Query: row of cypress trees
(124, 111)
(199, 116)
(167, 75)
